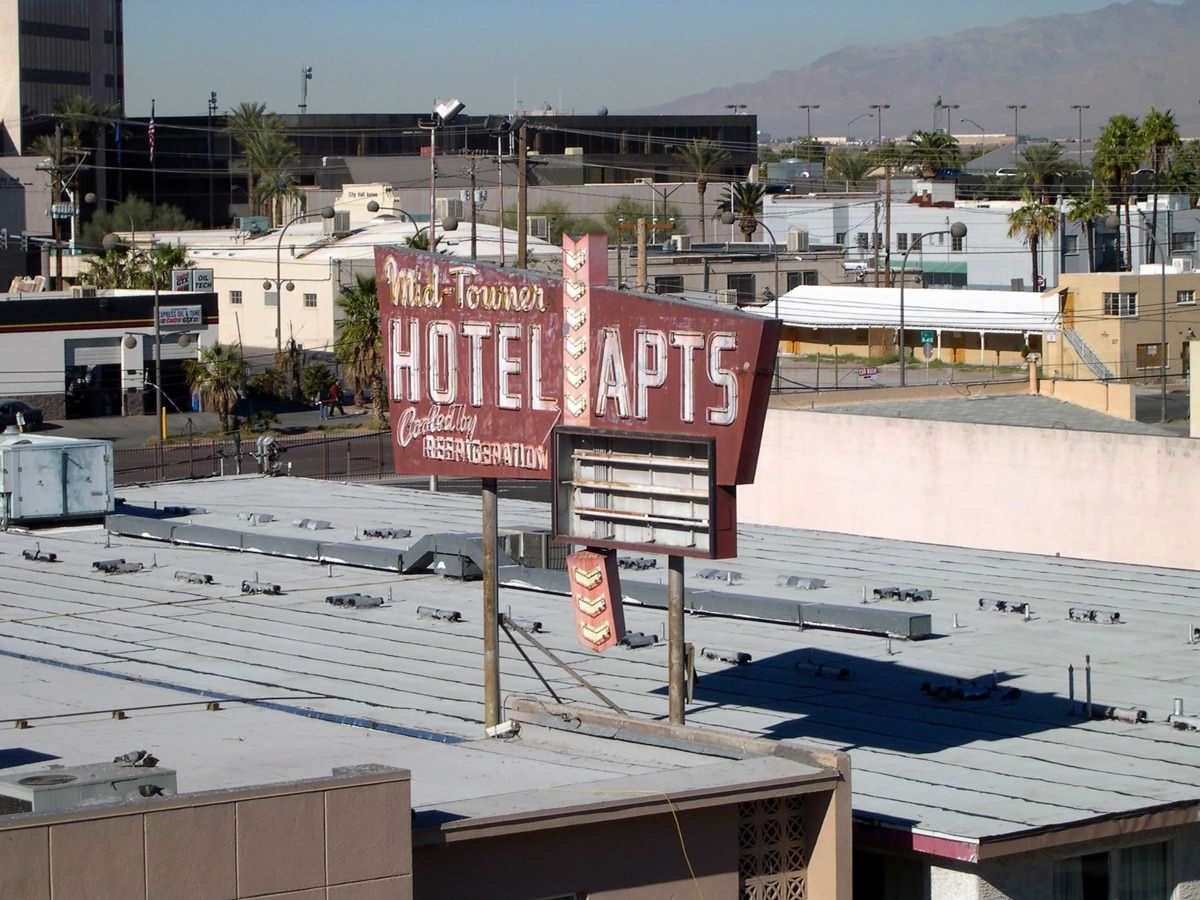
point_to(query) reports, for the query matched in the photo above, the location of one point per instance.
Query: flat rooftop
(969, 733)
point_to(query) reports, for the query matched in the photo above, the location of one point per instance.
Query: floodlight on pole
(958, 231)
(808, 108)
(879, 108)
(1080, 107)
(444, 111)
(1016, 108)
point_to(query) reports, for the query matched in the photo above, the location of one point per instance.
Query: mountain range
(1123, 58)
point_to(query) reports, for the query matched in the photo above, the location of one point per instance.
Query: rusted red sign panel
(596, 597)
(483, 361)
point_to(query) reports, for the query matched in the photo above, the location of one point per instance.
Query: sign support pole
(491, 607)
(675, 648)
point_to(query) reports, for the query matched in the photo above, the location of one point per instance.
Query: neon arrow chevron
(576, 318)
(576, 289)
(576, 346)
(591, 606)
(577, 406)
(588, 578)
(576, 376)
(597, 635)
(574, 259)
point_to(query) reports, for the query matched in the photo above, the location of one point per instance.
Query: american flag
(150, 131)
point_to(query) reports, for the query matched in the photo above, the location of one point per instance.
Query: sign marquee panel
(482, 362)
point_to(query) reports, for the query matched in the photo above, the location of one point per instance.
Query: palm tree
(1040, 164)
(1087, 208)
(218, 371)
(266, 151)
(1183, 172)
(84, 120)
(1032, 220)
(360, 344)
(702, 157)
(744, 200)
(850, 166)
(125, 267)
(1119, 151)
(1161, 137)
(932, 151)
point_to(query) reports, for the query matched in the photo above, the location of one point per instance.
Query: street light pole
(947, 107)
(326, 213)
(1016, 108)
(879, 107)
(1080, 107)
(957, 230)
(728, 218)
(977, 125)
(808, 108)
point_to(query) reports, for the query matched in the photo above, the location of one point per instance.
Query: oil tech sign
(482, 362)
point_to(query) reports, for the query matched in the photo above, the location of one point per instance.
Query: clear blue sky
(398, 55)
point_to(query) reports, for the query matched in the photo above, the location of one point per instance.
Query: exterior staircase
(1090, 357)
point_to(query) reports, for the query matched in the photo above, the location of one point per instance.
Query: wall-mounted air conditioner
(83, 290)
(797, 241)
(448, 206)
(538, 227)
(683, 242)
(727, 297)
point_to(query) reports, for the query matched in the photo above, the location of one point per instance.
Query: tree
(702, 158)
(359, 345)
(851, 166)
(136, 269)
(932, 151)
(217, 373)
(316, 379)
(744, 199)
(133, 213)
(1040, 165)
(631, 210)
(1182, 175)
(267, 152)
(1032, 220)
(1160, 135)
(1119, 151)
(1086, 208)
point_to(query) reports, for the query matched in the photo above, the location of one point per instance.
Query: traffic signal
(24, 242)
(3, 238)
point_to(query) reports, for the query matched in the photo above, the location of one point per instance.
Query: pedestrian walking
(335, 399)
(322, 406)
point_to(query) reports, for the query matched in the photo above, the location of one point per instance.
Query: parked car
(10, 408)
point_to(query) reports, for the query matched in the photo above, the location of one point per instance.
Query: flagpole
(153, 172)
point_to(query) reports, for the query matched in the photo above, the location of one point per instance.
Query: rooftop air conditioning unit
(50, 789)
(797, 241)
(727, 297)
(444, 207)
(339, 224)
(251, 224)
(683, 242)
(538, 226)
(1181, 264)
(83, 290)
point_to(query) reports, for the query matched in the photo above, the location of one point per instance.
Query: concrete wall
(347, 837)
(1025, 490)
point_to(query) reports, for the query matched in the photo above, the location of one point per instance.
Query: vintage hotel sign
(483, 362)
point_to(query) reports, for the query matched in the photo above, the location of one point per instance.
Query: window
(1185, 298)
(743, 283)
(1120, 303)
(901, 242)
(1145, 872)
(235, 297)
(310, 301)
(878, 240)
(957, 241)
(795, 279)
(1070, 244)
(668, 284)
(1183, 241)
(860, 240)
(840, 238)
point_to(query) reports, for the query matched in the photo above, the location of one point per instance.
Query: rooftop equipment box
(47, 479)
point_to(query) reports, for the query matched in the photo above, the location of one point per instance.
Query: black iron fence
(356, 456)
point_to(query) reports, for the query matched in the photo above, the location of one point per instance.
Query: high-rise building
(52, 50)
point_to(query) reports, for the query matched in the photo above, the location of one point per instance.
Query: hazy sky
(398, 55)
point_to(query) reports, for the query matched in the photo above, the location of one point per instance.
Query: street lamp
(326, 213)
(1113, 220)
(977, 125)
(947, 107)
(958, 230)
(449, 223)
(443, 113)
(1016, 108)
(808, 108)
(1081, 107)
(728, 218)
(880, 107)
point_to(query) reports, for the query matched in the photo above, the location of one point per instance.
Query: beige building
(1113, 324)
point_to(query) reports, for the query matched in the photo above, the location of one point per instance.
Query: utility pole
(522, 191)
(55, 193)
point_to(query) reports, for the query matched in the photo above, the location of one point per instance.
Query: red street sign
(479, 359)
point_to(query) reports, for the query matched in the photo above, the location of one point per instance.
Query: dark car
(10, 408)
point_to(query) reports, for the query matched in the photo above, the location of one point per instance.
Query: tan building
(1113, 324)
